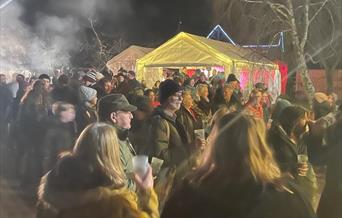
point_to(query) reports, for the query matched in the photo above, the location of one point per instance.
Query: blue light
(219, 28)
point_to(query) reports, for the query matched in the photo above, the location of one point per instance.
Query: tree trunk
(329, 78)
(307, 83)
(298, 46)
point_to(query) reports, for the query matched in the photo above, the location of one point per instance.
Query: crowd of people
(73, 137)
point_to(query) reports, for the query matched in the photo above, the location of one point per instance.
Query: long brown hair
(237, 150)
(99, 146)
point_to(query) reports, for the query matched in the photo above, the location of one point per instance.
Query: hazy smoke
(44, 33)
(41, 34)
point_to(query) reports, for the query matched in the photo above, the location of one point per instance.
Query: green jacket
(127, 152)
(168, 139)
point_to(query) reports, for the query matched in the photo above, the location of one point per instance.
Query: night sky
(138, 21)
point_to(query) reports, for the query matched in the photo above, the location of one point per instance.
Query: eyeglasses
(178, 95)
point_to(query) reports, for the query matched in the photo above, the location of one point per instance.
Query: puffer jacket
(168, 139)
(72, 190)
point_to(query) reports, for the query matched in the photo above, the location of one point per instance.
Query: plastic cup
(156, 165)
(200, 133)
(140, 165)
(302, 159)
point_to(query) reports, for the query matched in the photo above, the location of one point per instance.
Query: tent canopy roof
(131, 54)
(186, 49)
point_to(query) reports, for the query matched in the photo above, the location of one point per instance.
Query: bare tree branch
(306, 25)
(97, 36)
(318, 11)
(253, 2)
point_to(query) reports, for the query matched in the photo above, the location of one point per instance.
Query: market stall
(187, 50)
(127, 58)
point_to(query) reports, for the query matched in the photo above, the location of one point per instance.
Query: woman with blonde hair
(90, 182)
(203, 105)
(238, 177)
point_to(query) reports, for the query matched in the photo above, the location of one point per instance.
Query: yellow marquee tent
(190, 50)
(187, 50)
(127, 58)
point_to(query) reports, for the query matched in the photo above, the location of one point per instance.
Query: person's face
(46, 83)
(331, 100)
(130, 76)
(122, 119)
(235, 84)
(187, 101)
(265, 99)
(67, 115)
(301, 126)
(202, 78)
(227, 93)
(121, 79)
(192, 82)
(151, 96)
(257, 97)
(175, 101)
(108, 87)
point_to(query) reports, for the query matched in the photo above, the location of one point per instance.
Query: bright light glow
(279, 44)
(5, 4)
(219, 28)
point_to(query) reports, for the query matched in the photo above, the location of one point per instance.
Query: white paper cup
(140, 165)
(156, 165)
(200, 133)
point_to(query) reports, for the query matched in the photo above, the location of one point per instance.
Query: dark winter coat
(30, 132)
(138, 135)
(5, 105)
(84, 116)
(59, 138)
(243, 200)
(168, 139)
(331, 198)
(286, 152)
(72, 190)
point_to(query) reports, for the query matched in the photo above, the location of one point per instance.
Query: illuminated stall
(187, 50)
(127, 58)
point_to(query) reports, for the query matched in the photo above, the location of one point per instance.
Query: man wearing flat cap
(117, 111)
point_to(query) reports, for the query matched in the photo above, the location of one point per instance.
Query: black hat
(167, 88)
(131, 72)
(261, 86)
(115, 102)
(232, 78)
(44, 76)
